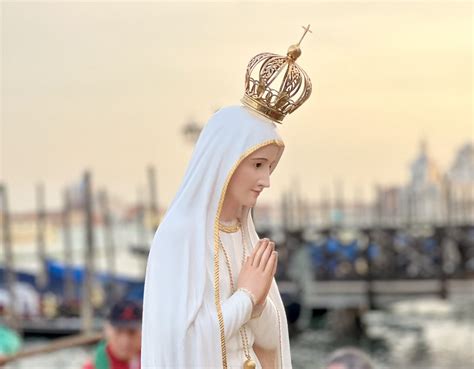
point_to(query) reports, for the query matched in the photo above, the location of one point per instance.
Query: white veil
(182, 320)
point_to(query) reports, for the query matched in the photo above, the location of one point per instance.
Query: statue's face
(252, 176)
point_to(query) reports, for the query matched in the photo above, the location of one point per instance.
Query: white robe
(237, 308)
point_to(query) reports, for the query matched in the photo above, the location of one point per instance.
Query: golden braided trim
(229, 228)
(279, 331)
(217, 299)
(217, 302)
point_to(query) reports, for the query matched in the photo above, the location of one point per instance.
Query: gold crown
(261, 93)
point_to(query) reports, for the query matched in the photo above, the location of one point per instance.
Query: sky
(108, 86)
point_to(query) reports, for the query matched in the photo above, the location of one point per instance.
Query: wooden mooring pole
(10, 276)
(87, 307)
(154, 214)
(109, 246)
(42, 277)
(69, 285)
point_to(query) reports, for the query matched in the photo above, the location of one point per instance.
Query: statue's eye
(258, 165)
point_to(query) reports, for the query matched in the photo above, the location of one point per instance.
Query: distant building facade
(430, 196)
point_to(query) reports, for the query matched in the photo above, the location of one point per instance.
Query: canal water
(420, 334)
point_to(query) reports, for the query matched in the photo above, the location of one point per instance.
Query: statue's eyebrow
(260, 159)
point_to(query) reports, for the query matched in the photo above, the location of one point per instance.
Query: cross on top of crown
(306, 30)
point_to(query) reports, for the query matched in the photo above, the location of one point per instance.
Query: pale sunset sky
(109, 85)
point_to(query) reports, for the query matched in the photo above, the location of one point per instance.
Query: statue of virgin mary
(210, 298)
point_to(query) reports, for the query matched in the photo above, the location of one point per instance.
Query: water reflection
(427, 334)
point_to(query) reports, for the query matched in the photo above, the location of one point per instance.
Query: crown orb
(294, 52)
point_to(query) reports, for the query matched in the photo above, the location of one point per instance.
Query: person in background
(349, 358)
(121, 348)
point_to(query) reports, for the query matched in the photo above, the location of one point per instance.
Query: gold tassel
(249, 364)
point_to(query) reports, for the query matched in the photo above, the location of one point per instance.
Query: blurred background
(371, 207)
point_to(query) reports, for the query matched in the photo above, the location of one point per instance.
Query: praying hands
(258, 270)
